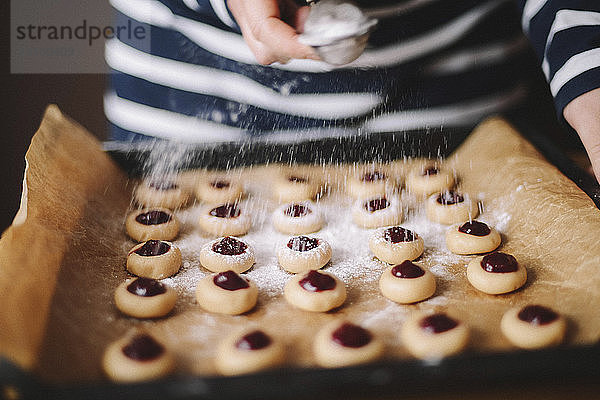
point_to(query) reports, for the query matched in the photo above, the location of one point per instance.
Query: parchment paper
(61, 264)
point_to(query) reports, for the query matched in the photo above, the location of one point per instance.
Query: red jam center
(297, 210)
(229, 280)
(376, 204)
(315, 281)
(303, 243)
(438, 323)
(162, 185)
(350, 335)
(449, 198)
(154, 217)
(475, 228)
(297, 179)
(253, 341)
(498, 262)
(153, 248)
(219, 184)
(146, 287)
(398, 234)
(373, 176)
(537, 315)
(431, 170)
(229, 246)
(143, 347)
(226, 211)
(407, 270)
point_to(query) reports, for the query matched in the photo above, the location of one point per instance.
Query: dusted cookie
(250, 350)
(145, 298)
(229, 219)
(290, 188)
(135, 358)
(226, 293)
(407, 283)
(533, 327)
(368, 184)
(434, 336)
(156, 223)
(472, 237)
(395, 244)
(496, 273)
(297, 218)
(228, 253)
(451, 207)
(376, 212)
(219, 190)
(316, 291)
(301, 254)
(428, 180)
(340, 344)
(167, 194)
(154, 259)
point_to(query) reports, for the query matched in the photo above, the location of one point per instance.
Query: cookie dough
(369, 184)
(156, 259)
(145, 298)
(342, 343)
(226, 293)
(451, 207)
(407, 283)
(376, 212)
(533, 327)
(302, 253)
(229, 219)
(298, 218)
(316, 291)
(137, 357)
(219, 190)
(395, 244)
(434, 336)
(227, 253)
(472, 237)
(167, 194)
(250, 350)
(152, 223)
(295, 187)
(496, 273)
(429, 179)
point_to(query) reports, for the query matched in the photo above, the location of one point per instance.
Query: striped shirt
(429, 63)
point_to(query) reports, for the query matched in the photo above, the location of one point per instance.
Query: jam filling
(315, 281)
(219, 184)
(153, 248)
(449, 198)
(431, 170)
(229, 246)
(297, 179)
(163, 185)
(438, 323)
(407, 270)
(253, 341)
(153, 217)
(226, 211)
(499, 263)
(297, 210)
(350, 335)
(229, 280)
(373, 176)
(303, 243)
(537, 315)
(475, 228)
(376, 204)
(146, 287)
(398, 234)
(143, 347)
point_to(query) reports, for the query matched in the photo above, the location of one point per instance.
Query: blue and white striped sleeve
(566, 37)
(218, 7)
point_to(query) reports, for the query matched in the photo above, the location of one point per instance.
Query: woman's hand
(583, 114)
(264, 30)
